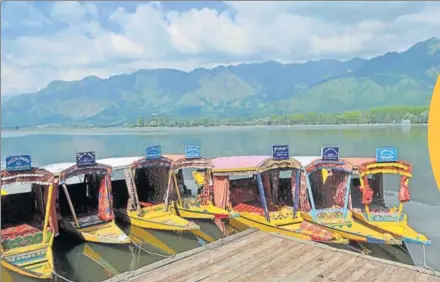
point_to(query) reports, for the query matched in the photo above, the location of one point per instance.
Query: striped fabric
(254, 208)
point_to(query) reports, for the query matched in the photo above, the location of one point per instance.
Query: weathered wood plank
(256, 261)
(226, 264)
(262, 256)
(264, 271)
(204, 259)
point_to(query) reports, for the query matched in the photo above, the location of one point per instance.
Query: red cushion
(144, 204)
(20, 230)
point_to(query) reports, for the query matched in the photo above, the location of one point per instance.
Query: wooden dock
(257, 256)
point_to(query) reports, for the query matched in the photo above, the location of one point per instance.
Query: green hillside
(258, 90)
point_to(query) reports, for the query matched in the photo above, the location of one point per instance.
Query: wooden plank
(338, 271)
(426, 277)
(264, 271)
(238, 264)
(325, 274)
(144, 271)
(256, 261)
(314, 267)
(375, 270)
(204, 259)
(293, 262)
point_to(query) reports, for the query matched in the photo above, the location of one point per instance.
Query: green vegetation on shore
(373, 116)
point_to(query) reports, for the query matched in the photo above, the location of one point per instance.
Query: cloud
(102, 39)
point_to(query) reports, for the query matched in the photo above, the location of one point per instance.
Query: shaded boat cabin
(254, 183)
(141, 189)
(28, 221)
(86, 203)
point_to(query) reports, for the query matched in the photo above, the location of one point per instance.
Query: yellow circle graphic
(433, 132)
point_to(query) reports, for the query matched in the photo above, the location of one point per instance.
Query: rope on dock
(60, 276)
(425, 265)
(151, 253)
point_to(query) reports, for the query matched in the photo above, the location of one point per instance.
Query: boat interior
(246, 197)
(84, 198)
(22, 218)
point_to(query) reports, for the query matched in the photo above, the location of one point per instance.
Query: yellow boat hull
(105, 233)
(399, 229)
(34, 261)
(157, 218)
(354, 230)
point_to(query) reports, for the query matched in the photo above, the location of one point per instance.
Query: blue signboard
(329, 153)
(18, 163)
(153, 152)
(192, 151)
(386, 155)
(85, 159)
(280, 152)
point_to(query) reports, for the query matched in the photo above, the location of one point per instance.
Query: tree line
(418, 115)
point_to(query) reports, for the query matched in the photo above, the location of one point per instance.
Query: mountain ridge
(259, 89)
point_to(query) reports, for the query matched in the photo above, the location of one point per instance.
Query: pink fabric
(237, 162)
(404, 195)
(221, 191)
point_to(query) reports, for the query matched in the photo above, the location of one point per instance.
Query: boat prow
(158, 219)
(32, 261)
(399, 229)
(104, 232)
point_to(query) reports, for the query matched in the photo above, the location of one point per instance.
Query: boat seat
(90, 220)
(20, 236)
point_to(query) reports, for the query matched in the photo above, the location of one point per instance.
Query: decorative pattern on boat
(192, 163)
(254, 208)
(35, 175)
(400, 167)
(27, 257)
(152, 163)
(320, 164)
(20, 236)
(293, 185)
(234, 173)
(105, 204)
(206, 194)
(304, 194)
(271, 164)
(74, 170)
(339, 179)
(315, 232)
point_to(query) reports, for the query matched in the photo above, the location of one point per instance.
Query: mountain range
(257, 89)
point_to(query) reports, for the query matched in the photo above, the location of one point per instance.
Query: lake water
(47, 147)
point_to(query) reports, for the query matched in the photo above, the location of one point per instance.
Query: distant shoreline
(172, 128)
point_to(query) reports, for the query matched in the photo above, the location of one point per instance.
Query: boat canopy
(119, 163)
(358, 162)
(180, 161)
(372, 167)
(249, 165)
(33, 176)
(74, 170)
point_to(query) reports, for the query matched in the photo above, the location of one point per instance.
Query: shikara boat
(371, 208)
(199, 206)
(140, 195)
(87, 207)
(251, 186)
(28, 220)
(328, 201)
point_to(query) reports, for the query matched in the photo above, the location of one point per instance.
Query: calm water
(48, 147)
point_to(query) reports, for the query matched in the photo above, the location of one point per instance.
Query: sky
(46, 41)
